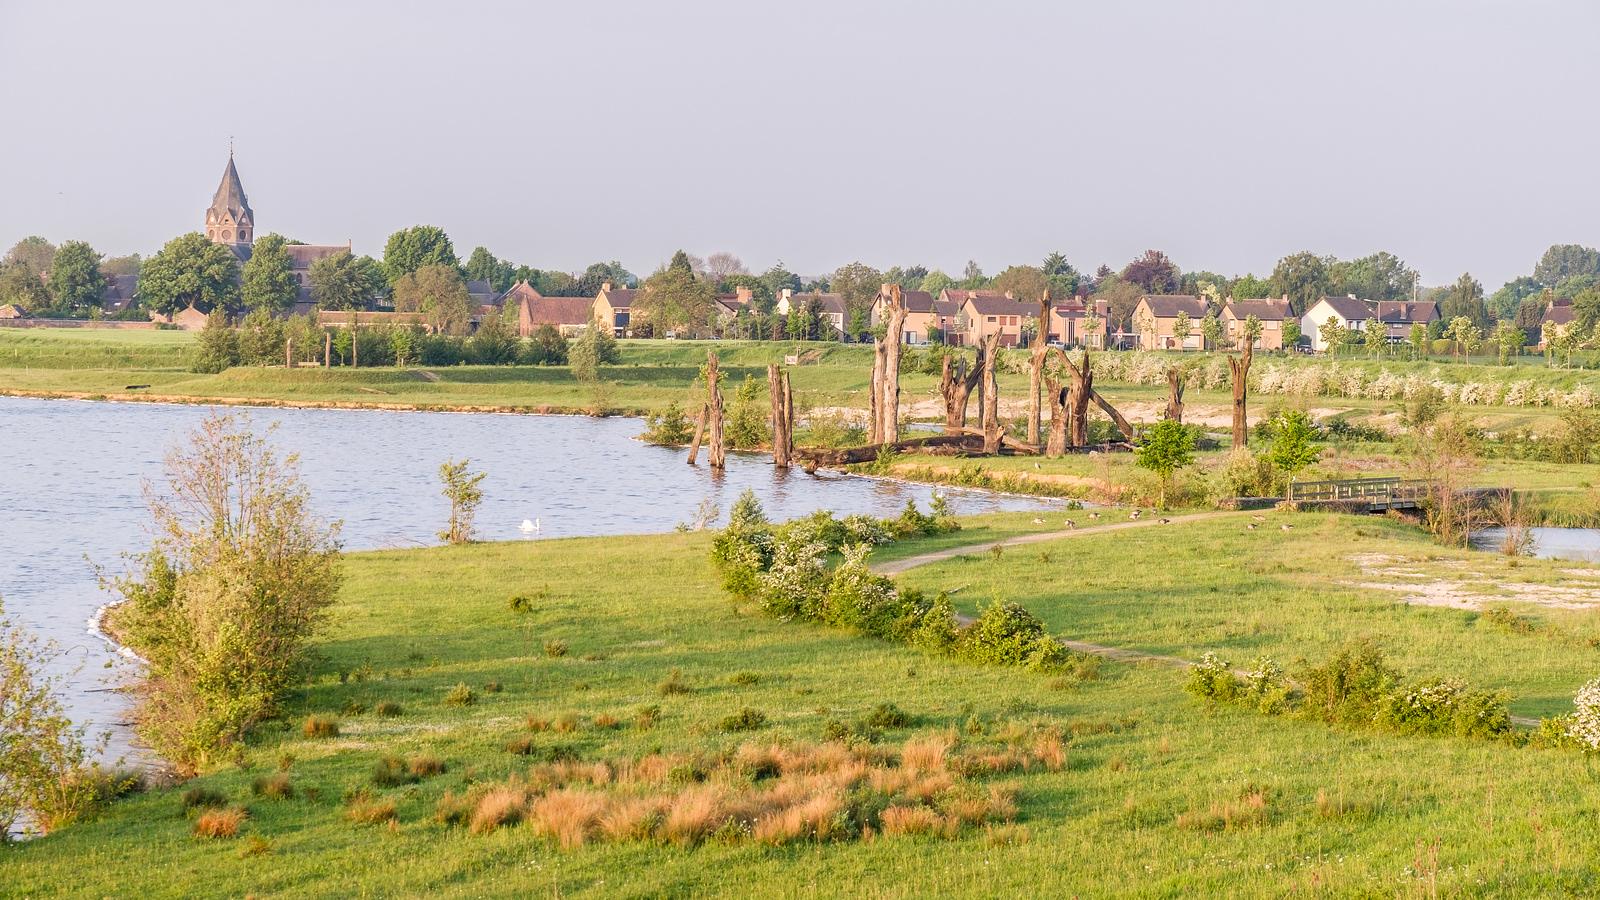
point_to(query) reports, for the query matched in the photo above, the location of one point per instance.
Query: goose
(1251, 527)
(1094, 515)
(1071, 524)
(1038, 521)
(1286, 527)
(527, 526)
(1164, 521)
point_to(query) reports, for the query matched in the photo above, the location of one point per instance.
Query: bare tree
(1036, 366)
(1239, 368)
(722, 264)
(956, 382)
(889, 404)
(991, 395)
(717, 453)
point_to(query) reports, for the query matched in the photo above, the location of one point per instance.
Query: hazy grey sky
(1460, 135)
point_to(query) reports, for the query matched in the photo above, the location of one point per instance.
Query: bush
(391, 771)
(460, 695)
(1444, 706)
(1350, 685)
(887, 715)
(1584, 724)
(1212, 680)
(320, 727)
(274, 787)
(1266, 687)
(669, 428)
(388, 709)
(365, 810)
(1004, 634)
(555, 649)
(203, 798)
(746, 719)
(674, 684)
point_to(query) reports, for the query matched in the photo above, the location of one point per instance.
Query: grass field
(1335, 811)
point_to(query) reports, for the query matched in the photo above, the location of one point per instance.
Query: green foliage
(596, 347)
(346, 281)
(460, 695)
(190, 271)
(76, 283)
(746, 719)
(493, 344)
(267, 279)
(1212, 680)
(673, 300)
(668, 428)
(438, 292)
(1167, 447)
(238, 580)
(746, 426)
(1349, 686)
(547, 347)
(1292, 449)
(411, 249)
(462, 490)
(217, 348)
(1004, 634)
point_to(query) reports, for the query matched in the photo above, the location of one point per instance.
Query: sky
(1459, 135)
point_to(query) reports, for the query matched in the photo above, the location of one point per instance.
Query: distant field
(1344, 811)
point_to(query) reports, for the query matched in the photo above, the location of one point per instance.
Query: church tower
(229, 220)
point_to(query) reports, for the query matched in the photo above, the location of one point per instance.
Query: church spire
(230, 219)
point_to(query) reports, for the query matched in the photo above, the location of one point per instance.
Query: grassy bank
(1142, 805)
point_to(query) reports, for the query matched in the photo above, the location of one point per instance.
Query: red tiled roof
(619, 298)
(544, 310)
(987, 303)
(1269, 310)
(1167, 306)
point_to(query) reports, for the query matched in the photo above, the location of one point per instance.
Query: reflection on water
(1549, 543)
(70, 496)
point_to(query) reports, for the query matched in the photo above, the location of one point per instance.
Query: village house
(830, 306)
(1398, 316)
(1350, 313)
(188, 318)
(922, 315)
(1273, 315)
(980, 314)
(1155, 318)
(569, 315)
(1078, 322)
(1559, 312)
(121, 293)
(13, 311)
(729, 306)
(612, 308)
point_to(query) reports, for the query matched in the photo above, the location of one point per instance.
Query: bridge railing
(1377, 491)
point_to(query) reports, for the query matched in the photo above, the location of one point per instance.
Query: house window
(991, 318)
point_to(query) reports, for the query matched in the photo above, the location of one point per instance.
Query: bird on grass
(1165, 521)
(1251, 527)
(1038, 521)
(1286, 527)
(1036, 465)
(1259, 518)
(1071, 524)
(1136, 514)
(1094, 515)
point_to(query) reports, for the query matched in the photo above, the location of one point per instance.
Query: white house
(1351, 314)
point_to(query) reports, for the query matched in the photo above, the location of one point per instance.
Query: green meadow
(1159, 795)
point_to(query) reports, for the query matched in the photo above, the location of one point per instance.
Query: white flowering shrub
(1212, 680)
(1583, 725)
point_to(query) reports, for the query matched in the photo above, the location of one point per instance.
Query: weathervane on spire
(230, 146)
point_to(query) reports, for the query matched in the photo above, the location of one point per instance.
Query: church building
(231, 222)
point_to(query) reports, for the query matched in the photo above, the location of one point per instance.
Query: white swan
(528, 526)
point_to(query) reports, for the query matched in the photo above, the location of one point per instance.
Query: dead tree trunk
(1175, 394)
(788, 420)
(699, 433)
(956, 382)
(1122, 424)
(327, 349)
(991, 395)
(1041, 344)
(355, 353)
(875, 393)
(288, 353)
(776, 384)
(1239, 367)
(716, 454)
(889, 402)
(1057, 395)
(1078, 394)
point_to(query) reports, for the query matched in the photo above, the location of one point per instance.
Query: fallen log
(812, 457)
(1105, 406)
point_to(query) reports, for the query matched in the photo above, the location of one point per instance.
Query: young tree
(417, 247)
(1167, 447)
(1333, 334)
(44, 769)
(1443, 452)
(1376, 336)
(1291, 334)
(461, 489)
(1182, 327)
(217, 347)
(267, 278)
(1418, 340)
(237, 581)
(673, 299)
(190, 270)
(1211, 331)
(346, 281)
(1466, 335)
(75, 279)
(438, 292)
(1508, 339)
(21, 287)
(1292, 449)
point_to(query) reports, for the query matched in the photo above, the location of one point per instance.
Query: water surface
(71, 496)
(1581, 544)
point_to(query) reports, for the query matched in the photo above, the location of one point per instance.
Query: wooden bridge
(1369, 494)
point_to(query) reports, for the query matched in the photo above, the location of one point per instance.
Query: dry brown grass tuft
(568, 723)
(220, 823)
(927, 753)
(605, 720)
(320, 727)
(1049, 750)
(424, 765)
(499, 806)
(1250, 811)
(633, 818)
(454, 809)
(364, 810)
(812, 818)
(537, 723)
(567, 815)
(693, 815)
(910, 820)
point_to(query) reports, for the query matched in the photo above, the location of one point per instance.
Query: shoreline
(264, 403)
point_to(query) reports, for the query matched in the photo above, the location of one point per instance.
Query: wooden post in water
(875, 392)
(327, 349)
(788, 420)
(777, 388)
(288, 353)
(355, 353)
(889, 405)
(717, 453)
(991, 395)
(699, 432)
(1041, 342)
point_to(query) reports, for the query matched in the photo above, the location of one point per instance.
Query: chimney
(743, 294)
(605, 288)
(787, 293)
(1010, 296)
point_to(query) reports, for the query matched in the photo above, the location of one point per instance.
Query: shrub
(1444, 706)
(387, 709)
(220, 823)
(1004, 634)
(391, 771)
(555, 649)
(203, 798)
(746, 719)
(273, 787)
(887, 715)
(520, 603)
(461, 695)
(425, 766)
(1265, 686)
(367, 810)
(320, 727)
(938, 630)
(647, 717)
(1349, 686)
(1212, 680)
(1584, 723)
(674, 684)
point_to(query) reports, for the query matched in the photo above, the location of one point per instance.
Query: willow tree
(1036, 366)
(956, 381)
(884, 426)
(1239, 368)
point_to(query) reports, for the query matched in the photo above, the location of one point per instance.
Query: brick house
(922, 315)
(1273, 314)
(1156, 315)
(612, 307)
(570, 315)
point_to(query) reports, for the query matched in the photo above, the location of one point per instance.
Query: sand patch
(1464, 586)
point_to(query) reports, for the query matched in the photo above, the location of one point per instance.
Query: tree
(346, 281)
(721, 266)
(1182, 327)
(1465, 334)
(777, 279)
(857, 284)
(483, 266)
(1121, 298)
(673, 299)
(1586, 311)
(1376, 335)
(1291, 334)
(44, 772)
(417, 247)
(260, 339)
(267, 278)
(75, 279)
(972, 276)
(1026, 283)
(1380, 276)
(1303, 277)
(596, 347)
(1249, 287)
(33, 253)
(1508, 338)
(461, 489)
(494, 343)
(1564, 261)
(1167, 447)
(1465, 299)
(190, 270)
(936, 281)
(1211, 331)
(120, 265)
(438, 292)
(598, 274)
(217, 347)
(1153, 272)
(237, 581)
(1333, 335)
(1291, 445)
(1418, 340)
(1506, 302)
(1063, 277)
(21, 287)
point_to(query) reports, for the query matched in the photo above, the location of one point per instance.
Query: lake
(71, 498)
(1582, 544)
